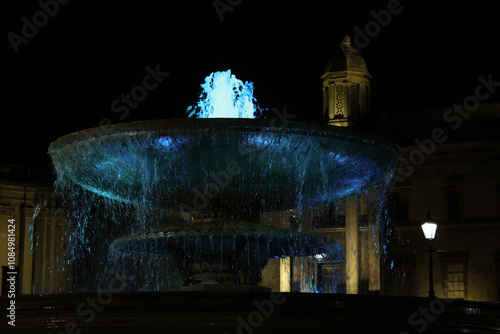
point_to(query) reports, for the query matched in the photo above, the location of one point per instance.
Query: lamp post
(429, 227)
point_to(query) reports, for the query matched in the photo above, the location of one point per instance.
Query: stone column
(374, 240)
(285, 274)
(374, 254)
(352, 246)
(26, 259)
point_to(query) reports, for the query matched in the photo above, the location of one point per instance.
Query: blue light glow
(164, 141)
(224, 96)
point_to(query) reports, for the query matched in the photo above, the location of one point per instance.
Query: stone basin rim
(245, 125)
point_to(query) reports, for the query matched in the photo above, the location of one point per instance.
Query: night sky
(65, 77)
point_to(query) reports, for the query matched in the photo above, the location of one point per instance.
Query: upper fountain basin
(205, 163)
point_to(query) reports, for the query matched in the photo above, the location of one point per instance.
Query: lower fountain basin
(224, 251)
(221, 236)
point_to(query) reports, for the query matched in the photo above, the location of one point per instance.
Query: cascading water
(211, 202)
(224, 96)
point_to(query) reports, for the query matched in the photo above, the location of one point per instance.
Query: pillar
(285, 274)
(352, 247)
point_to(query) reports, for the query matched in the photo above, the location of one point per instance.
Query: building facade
(39, 247)
(458, 180)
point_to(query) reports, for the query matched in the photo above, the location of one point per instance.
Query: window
(453, 204)
(452, 185)
(340, 221)
(293, 222)
(363, 220)
(331, 277)
(339, 101)
(402, 207)
(497, 193)
(497, 267)
(355, 108)
(403, 278)
(332, 217)
(455, 279)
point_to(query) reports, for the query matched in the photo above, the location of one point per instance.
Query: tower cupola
(346, 87)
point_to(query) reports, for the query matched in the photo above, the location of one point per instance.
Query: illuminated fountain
(214, 179)
(195, 204)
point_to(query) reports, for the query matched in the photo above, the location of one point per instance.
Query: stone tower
(346, 87)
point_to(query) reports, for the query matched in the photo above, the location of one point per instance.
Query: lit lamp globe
(429, 227)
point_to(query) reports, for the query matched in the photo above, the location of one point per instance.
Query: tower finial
(346, 40)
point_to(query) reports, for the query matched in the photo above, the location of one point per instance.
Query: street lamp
(429, 227)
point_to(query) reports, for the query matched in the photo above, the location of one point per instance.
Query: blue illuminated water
(224, 96)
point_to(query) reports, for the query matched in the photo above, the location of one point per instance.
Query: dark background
(65, 78)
